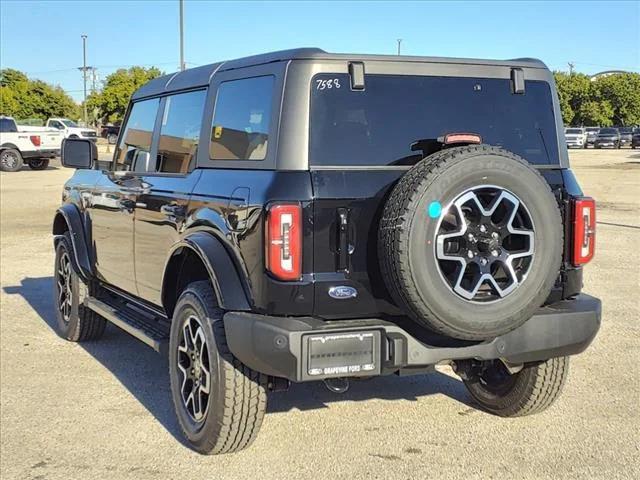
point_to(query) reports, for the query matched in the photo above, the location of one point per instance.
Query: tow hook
(337, 385)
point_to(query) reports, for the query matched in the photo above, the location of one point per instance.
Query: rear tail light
(584, 230)
(284, 241)
(35, 139)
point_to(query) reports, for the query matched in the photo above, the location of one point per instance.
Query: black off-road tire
(531, 390)
(406, 241)
(38, 163)
(10, 160)
(82, 324)
(112, 138)
(238, 397)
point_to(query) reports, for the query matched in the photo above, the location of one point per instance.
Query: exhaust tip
(337, 385)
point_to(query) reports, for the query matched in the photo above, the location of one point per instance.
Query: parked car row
(613, 137)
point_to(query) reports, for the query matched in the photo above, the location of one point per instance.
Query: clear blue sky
(43, 38)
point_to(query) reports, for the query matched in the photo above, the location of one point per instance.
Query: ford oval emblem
(342, 292)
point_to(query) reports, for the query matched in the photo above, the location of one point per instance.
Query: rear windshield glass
(609, 131)
(378, 126)
(573, 130)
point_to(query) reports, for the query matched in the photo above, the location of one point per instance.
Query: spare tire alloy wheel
(461, 241)
(485, 243)
(193, 365)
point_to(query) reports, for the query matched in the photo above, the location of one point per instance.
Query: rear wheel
(38, 163)
(10, 160)
(220, 403)
(112, 138)
(529, 391)
(76, 322)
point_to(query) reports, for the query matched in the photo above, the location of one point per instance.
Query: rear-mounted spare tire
(470, 242)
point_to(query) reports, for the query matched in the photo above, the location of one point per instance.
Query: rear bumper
(280, 346)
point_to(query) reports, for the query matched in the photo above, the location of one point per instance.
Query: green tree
(23, 98)
(112, 102)
(573, 90)
(593, 112)
(607, 100)
(622, 91)
(10, 77)
(8, 103)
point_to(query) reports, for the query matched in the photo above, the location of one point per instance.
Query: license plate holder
(341, 354)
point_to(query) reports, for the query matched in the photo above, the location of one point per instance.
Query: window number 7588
(327, 84)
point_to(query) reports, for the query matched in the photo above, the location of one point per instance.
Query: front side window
(180, 131)
(134, 151)
(240, 127)
(395, 116)
(70, 124)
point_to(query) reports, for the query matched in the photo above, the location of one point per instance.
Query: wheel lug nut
(494, 253)
(495, 235)
(483, 261)
(192, 371)
(470, 254)
(483, 229)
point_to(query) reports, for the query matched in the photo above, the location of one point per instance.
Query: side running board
(147, 330)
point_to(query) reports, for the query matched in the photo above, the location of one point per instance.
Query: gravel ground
(103, 410)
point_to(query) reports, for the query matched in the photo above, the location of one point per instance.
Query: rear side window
(180, 131)
(378, 126)
(134, 150)
(7, 125)
(240, 127)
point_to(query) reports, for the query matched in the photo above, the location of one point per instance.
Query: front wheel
(529, 391)
(220, 403)
(39, 164)
(112, 138)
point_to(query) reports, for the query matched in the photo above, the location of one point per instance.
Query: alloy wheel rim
(63, 279)
(9, 159)
(194, 370)
(484, 244)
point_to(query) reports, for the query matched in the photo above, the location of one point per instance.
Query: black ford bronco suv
(300, 216)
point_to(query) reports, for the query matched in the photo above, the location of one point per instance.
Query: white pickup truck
(71, 130)
(33, 145)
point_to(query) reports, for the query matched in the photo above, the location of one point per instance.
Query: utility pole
(181, 35)
(399, 40)
(571, 66)
(84, 75)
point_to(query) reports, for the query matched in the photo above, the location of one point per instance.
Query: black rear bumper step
(281, 346)
(149, 331)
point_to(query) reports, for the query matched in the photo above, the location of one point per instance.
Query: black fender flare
(68, 215)
(222, 271)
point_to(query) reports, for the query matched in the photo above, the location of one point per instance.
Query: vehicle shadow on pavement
(145, 373)
(137, 367)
